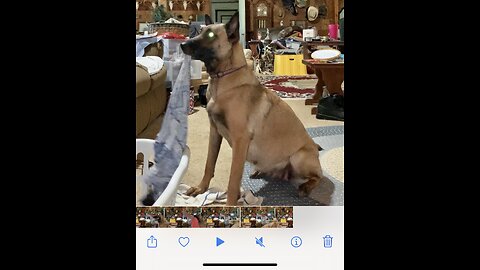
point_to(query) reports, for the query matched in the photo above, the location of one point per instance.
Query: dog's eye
(211, 35)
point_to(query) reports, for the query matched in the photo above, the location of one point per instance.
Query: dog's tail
(319, 147)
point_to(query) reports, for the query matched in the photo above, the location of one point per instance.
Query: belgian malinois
(259, 126)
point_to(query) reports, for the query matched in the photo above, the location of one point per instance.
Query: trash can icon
(327, 241)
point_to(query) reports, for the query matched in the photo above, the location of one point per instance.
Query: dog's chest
(217, 116)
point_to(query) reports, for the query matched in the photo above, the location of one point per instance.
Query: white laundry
(172, 20)
(213, 196)
(153, 64)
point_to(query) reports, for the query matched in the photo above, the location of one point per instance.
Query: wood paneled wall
(333, 6)
(147, 15)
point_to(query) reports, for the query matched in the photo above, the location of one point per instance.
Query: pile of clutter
(288, 41)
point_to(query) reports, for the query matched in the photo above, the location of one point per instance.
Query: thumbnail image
(267, 217)
(183, 217)
(284, 217)
(221, 217)
(151, 217)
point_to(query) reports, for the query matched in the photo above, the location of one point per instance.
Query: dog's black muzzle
(188, 47)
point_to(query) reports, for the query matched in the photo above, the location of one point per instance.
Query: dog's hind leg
(305, 164)
(214, 143)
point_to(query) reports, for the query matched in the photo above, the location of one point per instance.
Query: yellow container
(289, 65)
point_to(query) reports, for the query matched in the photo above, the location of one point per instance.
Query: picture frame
(142, 27)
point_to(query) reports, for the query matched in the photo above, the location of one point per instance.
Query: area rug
(330, 191)
(290, 86)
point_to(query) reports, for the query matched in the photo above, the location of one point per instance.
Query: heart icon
(183, 241)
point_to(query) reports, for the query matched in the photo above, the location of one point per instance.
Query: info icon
(296, 241)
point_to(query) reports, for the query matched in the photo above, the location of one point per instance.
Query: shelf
(178, 6)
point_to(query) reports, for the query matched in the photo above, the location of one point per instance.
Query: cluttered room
(239, 103)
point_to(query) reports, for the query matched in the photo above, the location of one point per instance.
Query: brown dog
(259, 126)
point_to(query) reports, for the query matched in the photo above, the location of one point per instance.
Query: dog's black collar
(226, 72)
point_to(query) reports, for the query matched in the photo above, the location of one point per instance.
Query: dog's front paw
(232, 202)
(194, 191)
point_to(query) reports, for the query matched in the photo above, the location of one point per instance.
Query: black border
(74, 131)
(396, 114)
(71, 127)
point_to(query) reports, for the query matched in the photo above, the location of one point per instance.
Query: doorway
(223, 10)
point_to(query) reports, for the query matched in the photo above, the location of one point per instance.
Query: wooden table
(329, 75)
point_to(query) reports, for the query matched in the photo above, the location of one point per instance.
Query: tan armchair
(151, 97)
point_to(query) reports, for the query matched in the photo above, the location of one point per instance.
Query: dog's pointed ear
(232, 28)
(208, 20)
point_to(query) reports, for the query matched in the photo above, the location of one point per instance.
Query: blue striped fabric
(172, 138)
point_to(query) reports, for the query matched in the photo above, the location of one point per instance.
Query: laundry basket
(167, 198)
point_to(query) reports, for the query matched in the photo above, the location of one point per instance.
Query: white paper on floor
(213, 196)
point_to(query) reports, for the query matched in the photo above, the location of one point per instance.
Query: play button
(219, 241)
